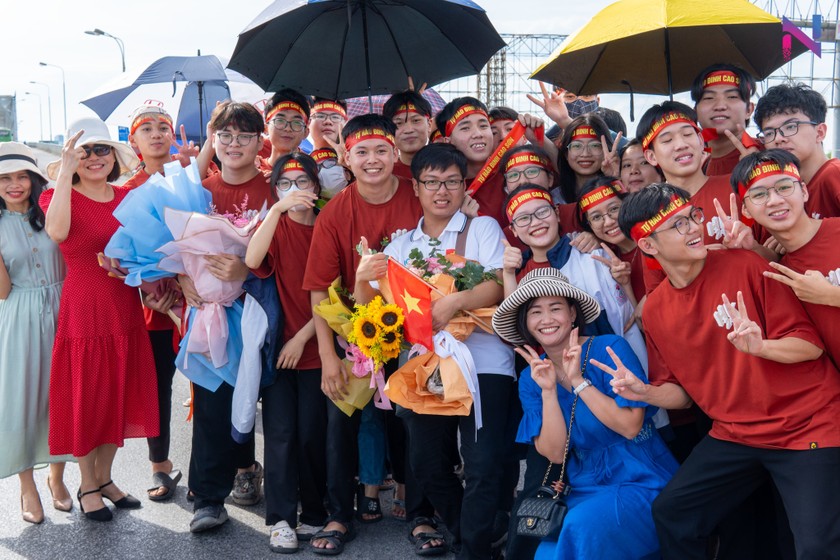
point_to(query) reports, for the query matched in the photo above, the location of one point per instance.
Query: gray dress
(27, 331)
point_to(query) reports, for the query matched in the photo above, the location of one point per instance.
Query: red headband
(322, 154)
(329, 107)
(644, 229)
(673, 117)
(523, 197)
(150, 117)
(721, 78)
(600, 195)
(463, 112)
(285, 106)
(766, 169)
(368, 134)
(584, 131)
(293, 165)
(523, 158)
(436, 135)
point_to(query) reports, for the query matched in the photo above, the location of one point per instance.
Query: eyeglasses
(332, 117)
(227, 138)
(434, 185)
(786, 130)
(303, 182)
(578, 147)
(528, 172)
(760, 195)
(598, 219)
(280, 123)
(683, 223)
(540, 213)
(98, 149)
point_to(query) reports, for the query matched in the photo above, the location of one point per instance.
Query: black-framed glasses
(787, 130)
(540, 213)
(529, 172)
(434, 184)
(243, 139)
(683, 223)
(760, 195)
(295, 124)
(98, 149)
(303, 183)
(594, 147)
(332, 117)
(598, 219)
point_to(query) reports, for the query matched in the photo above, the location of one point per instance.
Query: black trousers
(215, 454)
(164, 355)
(468, 512)
(342, 463)
(294, 415)
(718, 476)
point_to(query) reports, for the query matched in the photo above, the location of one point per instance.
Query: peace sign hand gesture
(746, 334)
(736, 141)
(611, 166)
(811, 287)
(619, 269)
(624, 382)
(186, 149)
(542, 370)
(552, 105)
(736, 234)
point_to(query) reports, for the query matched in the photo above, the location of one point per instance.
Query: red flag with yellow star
(415, 298)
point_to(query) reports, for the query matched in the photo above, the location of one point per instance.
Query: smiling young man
(328, 117)
(721, 95)
(770, 390)
(412, 115)
(286, 123)
(375, 206)
(792, 118)
(773, 194)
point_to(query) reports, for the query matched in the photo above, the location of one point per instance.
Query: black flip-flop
(164, 480)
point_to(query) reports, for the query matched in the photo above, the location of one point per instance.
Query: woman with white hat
(103, 387)
(614, 460)
(31, 274)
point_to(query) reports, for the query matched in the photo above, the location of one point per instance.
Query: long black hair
(36, 215)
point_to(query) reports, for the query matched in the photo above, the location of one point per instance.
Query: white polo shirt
(484, 245)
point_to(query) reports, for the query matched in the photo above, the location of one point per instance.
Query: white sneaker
(282, 538)
(305, 531)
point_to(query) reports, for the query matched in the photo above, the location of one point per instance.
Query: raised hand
(571, 359)
(552, 105)
(746, 334)
(295, 200)
(372, 265)
(186, 149)
(71, 155)
(531, 124)
(811, 287)
(736, 234)
(585, 242)
(624, 382)
(736, 141)
(619, 269)
(542, 369)
(611, 166)
(470, 206)
(511, 258)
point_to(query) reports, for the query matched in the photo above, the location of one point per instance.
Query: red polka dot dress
(103, 387)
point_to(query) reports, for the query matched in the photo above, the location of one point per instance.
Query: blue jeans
(372, 445)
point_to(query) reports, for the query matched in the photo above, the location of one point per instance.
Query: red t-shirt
(724, 164)
(821, 254)
(286, 261)
(140, 177)
(637, 266)
(491, 198)
(751, 401)
(714, 187)
(229, 198)
(529, 266)
(569, 218)
(343, 222)
(824, 191)
(402, 170)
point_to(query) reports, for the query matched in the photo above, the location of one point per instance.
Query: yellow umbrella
(659, 46)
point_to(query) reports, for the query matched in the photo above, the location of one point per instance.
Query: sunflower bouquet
(377, 331)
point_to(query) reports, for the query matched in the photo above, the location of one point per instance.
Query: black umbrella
(349, 48)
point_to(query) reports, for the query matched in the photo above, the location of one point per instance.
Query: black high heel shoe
(103, 514)
(126, 502)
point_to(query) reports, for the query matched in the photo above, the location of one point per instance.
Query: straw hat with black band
(96, 132)
(15, 156)
(542, 282)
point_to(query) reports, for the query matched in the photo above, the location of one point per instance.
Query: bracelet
(586, 383)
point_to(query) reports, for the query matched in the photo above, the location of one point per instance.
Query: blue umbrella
(205, 81)
(349, 48)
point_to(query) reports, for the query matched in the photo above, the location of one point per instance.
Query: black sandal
(164, 480)
(126, 502)
(421, 539)
(368, 506)
(335, 538)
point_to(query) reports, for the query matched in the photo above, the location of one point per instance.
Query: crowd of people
(662, 353)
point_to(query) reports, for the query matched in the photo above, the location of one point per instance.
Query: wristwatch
(586, 383)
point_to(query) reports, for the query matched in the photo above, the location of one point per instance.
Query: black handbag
(541, 516)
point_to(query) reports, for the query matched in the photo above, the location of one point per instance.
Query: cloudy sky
(52, 31)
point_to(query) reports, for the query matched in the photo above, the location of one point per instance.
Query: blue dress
(614, 480)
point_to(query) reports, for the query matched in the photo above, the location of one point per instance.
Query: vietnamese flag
(415, 298)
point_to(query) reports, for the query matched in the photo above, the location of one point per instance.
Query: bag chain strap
(571, 421)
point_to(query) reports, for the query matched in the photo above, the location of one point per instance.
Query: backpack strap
(461, 241)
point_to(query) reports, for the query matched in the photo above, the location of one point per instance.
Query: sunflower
(389, 317)
(390, 342)
(365, 332)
